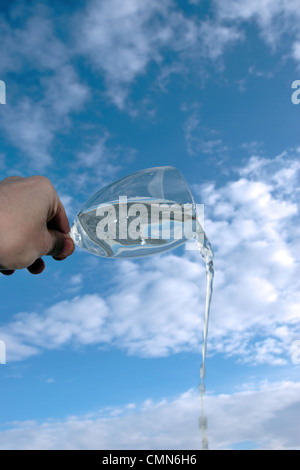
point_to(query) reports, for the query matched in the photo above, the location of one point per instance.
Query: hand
(33, 223)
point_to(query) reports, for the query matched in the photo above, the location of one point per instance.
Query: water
(207, 255)
(132, 228)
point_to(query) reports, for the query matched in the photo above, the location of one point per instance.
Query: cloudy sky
(105, 354)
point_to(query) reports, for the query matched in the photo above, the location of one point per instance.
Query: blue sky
(105, 354)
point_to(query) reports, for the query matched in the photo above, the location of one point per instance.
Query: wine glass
(147, 212)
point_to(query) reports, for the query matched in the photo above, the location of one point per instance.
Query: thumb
(62, 245)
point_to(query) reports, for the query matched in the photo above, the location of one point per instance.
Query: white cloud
(36, 118)
(138, 317)
(276, 19)
(270, 421)
(34, 45)
(118, 38)
(257, 258)
(101, 158)
(97, 164)
(214, 38)
(38, 122)
(200, 140)
(122, 39)
(35, 134)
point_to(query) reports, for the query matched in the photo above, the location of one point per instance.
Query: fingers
(7, 272)
(67, 251)
(59, 228)
(62, 245)
(59, 220)
(37, 267)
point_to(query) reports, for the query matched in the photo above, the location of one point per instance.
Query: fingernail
(68, 249)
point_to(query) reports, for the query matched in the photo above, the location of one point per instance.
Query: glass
(147, 212)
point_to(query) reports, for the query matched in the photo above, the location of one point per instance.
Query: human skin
(33, 224)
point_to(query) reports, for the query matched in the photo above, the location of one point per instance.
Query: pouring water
(143, 214)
